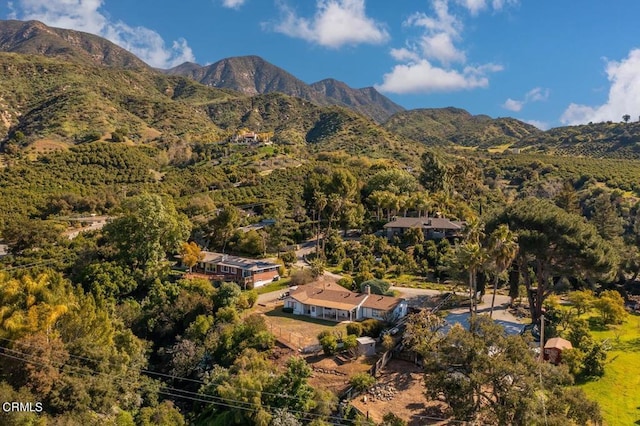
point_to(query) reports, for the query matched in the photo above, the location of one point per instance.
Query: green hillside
(46, 98)
(446, 126)
(606, 140)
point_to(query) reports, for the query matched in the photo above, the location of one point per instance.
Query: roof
(425, 223)
(331, 295)
(328, 295)
(366, 340)
(236, 261)
(558, 343)
(383, 303)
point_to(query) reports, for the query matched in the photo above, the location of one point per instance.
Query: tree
(390, 419)
(148, 229)
(610, 304)
(376, 286)
(626, 118)
(567, 198)
(434, 174)
(350, 344)
(553, 243)
(222, 227)
(23, 233)
(191, 254)
(317, 267)
(503, 249)
(487, 377)
(582, 300)
(329, 344)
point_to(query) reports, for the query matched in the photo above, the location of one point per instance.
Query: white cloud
(433, 62)
(542, 125)
(336, 23)
(233, 4)
(86, 15)
(513, 105)
(537, 94)
(423, 77)
(624, 94)
(474, 6)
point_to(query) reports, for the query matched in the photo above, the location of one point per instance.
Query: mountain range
(253, 75)
(70, 86)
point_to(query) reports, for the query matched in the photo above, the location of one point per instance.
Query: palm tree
(503, 247)
(472, 255)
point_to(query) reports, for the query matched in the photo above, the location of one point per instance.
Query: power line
(211, 399)
(145, 371)
(31, 265)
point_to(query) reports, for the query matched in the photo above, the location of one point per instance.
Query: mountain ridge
(36, 38)
(254, 75)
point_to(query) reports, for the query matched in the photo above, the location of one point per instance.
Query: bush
(346, 282)
(377, 286)
(301, 277)
(362, 381)
(372, 327)
(288, 257)
(287, 310)
(354, 328)
(329, 343)
(347, 265)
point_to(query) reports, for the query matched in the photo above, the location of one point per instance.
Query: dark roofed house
(244, 271)
(332, 302)
(434, 228)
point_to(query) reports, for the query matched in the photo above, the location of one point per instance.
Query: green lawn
(618, 392)
(274, 286)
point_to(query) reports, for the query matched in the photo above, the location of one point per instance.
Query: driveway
(501, 314)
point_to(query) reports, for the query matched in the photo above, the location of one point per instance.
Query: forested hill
(600, 140)
(36, 38)
(47, 98)
(454, 126)
(253, 75)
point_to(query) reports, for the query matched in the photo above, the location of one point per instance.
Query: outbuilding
(553, 349)
(366, 346)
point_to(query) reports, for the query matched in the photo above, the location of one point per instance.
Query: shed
(554, 347)
(366, 346)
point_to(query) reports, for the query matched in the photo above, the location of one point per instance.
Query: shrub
(301, 277)
(355, 329)
(347, 265)
(346, 282)
(362, 381)
(288, 257)
(377, 286)
(372, 327)
(287, 310)
(329, 343)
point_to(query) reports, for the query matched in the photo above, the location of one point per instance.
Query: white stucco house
(335, 303)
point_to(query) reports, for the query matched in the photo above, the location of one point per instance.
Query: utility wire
(211, 399)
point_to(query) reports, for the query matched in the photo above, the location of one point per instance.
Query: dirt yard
(298, 330)
(329, 372)
(400, 390)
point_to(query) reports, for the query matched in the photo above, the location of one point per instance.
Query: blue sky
(547, 62)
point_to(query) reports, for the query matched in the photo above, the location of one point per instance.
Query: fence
(289, 339)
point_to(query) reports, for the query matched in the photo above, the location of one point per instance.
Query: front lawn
(618, 392)
(281, 284)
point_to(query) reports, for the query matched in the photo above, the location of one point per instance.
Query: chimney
(367, 289)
